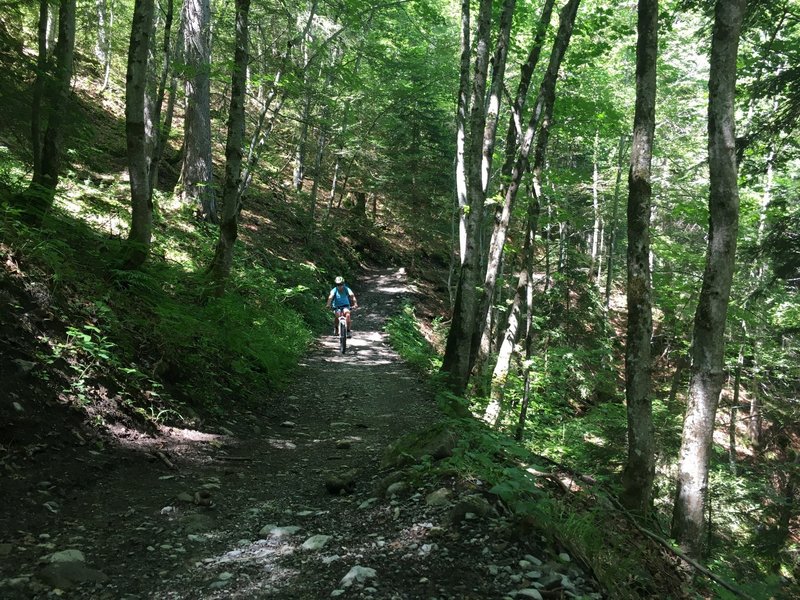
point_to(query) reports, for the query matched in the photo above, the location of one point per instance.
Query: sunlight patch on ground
(282, 444)
(178, 256)
(172, 440)
(593, 439)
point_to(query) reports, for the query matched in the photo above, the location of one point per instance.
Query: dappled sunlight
(274, 562)
(172, 441)
(281, 444)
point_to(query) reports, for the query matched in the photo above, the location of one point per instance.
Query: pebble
(316, 542)
(275, 531)
(71, 555)
(357, 574)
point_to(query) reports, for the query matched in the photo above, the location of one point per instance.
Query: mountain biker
(341, 298)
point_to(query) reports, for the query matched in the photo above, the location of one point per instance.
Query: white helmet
(339, 280)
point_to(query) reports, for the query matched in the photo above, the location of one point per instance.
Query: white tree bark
(102, 48)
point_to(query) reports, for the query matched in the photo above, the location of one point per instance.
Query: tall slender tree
(688, 523)
(138, 159)
(231, 200)
(52, 91)
(541, 112)
(502, 216)
(637, 478)
(102, 47)
(461, 130)
(456, 363)
(197, 167)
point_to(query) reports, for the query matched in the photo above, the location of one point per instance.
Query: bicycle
(341, 328)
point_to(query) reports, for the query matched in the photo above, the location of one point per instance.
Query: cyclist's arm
(353, 299)
(330, 299)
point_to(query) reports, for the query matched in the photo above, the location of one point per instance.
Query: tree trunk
(502, 216)
(456, 363)
(51, 30)
(754, 424)
(302, 134)
(264, 127)
(677, 376)
(138, 164)
(567, 19)
(102, 48)
(637, 477)
(596, 230)
(600, 250)
(322, 142)
(494, 410)
(461, 130)
(231, 200)
(161, 131)
(737, 384)
(489, 136)
(197, 166)
(39, 85)
(495, 92)
(709, 323)
(56, 92)
(346, 122)
(612, 238)
(544, 106)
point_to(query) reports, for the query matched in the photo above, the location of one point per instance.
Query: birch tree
(102, 48)
(541, 112)
(502, 216)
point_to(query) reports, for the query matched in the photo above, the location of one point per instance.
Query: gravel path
(247, 510)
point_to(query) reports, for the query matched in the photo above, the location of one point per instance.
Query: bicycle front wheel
(342, 336)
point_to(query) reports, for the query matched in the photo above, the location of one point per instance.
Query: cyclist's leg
(335, 321)
(346, 312)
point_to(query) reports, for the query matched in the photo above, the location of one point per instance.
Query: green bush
(407, 338)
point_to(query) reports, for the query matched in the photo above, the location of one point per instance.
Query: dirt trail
(245, 513)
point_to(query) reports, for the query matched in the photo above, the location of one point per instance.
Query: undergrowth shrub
(151, 334)
(407, 338)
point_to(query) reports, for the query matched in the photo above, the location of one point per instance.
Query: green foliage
(571, 365)
(406, 337)
(149, 334)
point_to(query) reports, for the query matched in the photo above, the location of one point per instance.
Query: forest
(575, 223)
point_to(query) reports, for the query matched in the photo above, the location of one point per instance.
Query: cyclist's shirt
(341, 299)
